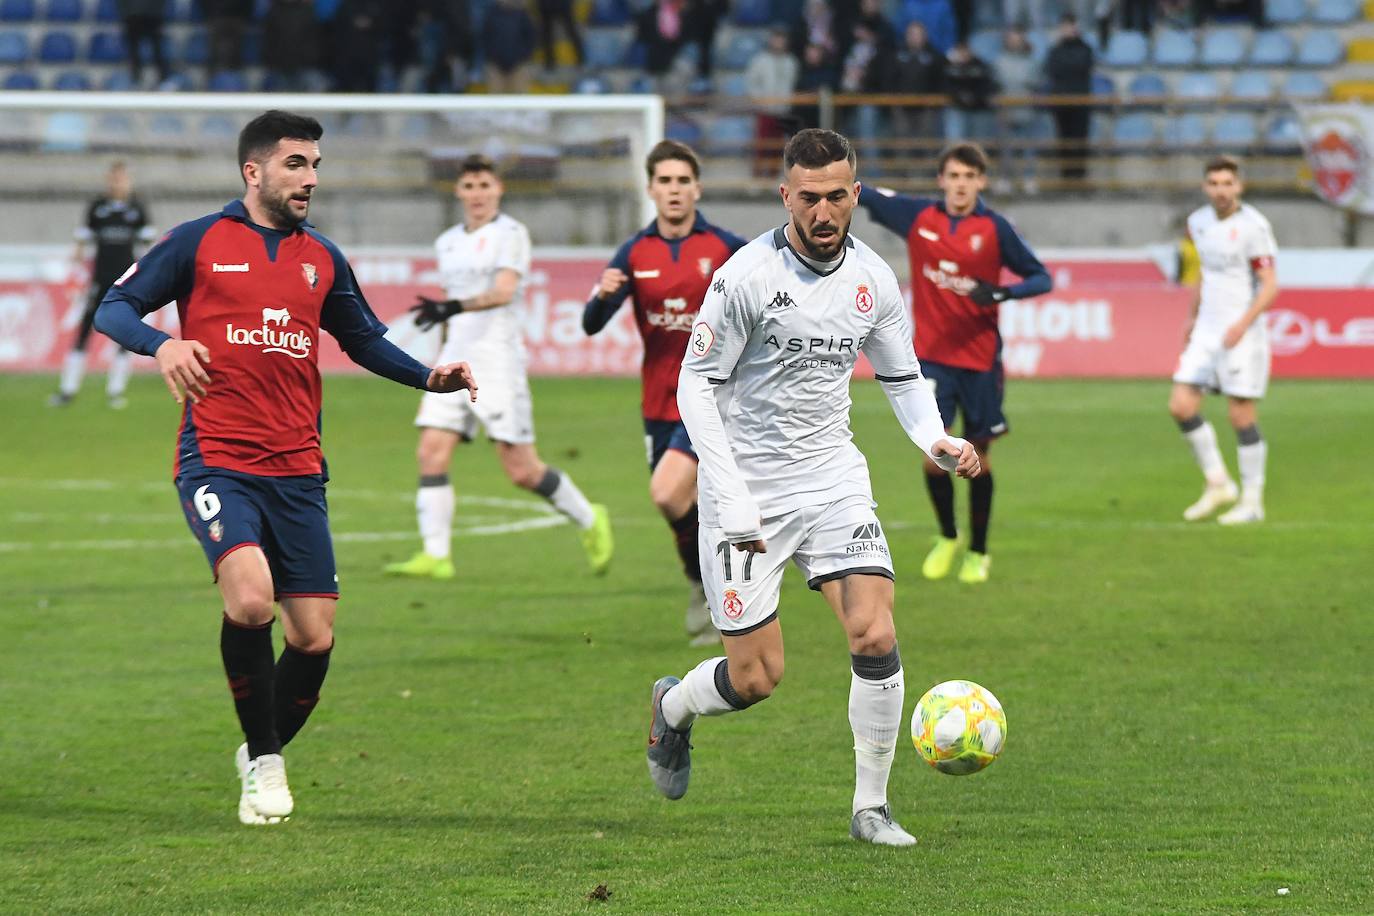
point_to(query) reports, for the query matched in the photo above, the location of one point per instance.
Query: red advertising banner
(1107, 317)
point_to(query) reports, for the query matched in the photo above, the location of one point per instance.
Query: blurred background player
(483, 262)
(1227, 345)
(116, 222)
(958, 248)
(666, 268)
(254, 286)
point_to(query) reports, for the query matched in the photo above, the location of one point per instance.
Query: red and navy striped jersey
(257, 298)
(947, 254)
(668, 278)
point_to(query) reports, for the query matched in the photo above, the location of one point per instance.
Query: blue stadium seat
(119, 80)
(176, 82)
(731, 131)
(17, 11)
(605, 48)
(683, 130)
(609, 12)
(1175, 49)
(1271, 49)
(67, 131)
(1188, 129)
(591, 85)
(1320, 48)
(57, 48)
(195, 51)
(986, 44)
(753, 12)
(166, 123)
(1134, 129)
(63, 11)
(1199, 84)
(1284, 132)
(1252, 85)
(742, 49)
(1103, 85)
(735, 85)
(1126, 49)
(14, 47)
(106, 11)
(20, 80)
(1285, 12)
(1303, 86)
(1335, 12)
(1235, 129)
(105, 48)
(1222, 48)
(227, 81)
(1147, 85)
(115, 126)
(72, 81)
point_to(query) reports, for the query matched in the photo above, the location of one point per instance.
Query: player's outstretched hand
(182, 364)
(612, 278)
(452, 377)
(429, 312)
(961, 452)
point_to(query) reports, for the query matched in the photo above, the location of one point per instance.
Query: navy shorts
(285, 516)
(977, 394)
(662, 435)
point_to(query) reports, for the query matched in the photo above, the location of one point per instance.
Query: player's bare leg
(434, 501)
(673, 488)
(749, 672)
(245, 584)
(1185, 406)
(863, 603)
(523, 466)
(1251, 451)
(940, 487)
(977, 563)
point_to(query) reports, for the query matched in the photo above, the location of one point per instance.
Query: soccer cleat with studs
(876, 826)
(670, 750)
(940, 560)
(247, 814)
(1214, 498)
(422, 566)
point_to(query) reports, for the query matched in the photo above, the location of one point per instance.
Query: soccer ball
(958, 727)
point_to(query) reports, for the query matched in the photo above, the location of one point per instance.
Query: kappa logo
(867, 532)
(781, 301)
(718, 286)
(312, 277)
(863, 300)
(229, 268)
(732, 605)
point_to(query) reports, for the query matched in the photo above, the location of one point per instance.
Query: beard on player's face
(833, 230)
(276, 199)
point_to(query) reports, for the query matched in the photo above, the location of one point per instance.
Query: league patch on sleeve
(703, 338)
(133, 269)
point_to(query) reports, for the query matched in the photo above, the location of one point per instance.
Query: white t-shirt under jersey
(780, 340)
(468, 264)
(1230, 251)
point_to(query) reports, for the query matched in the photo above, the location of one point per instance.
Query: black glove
(987, 294)
(429, 312)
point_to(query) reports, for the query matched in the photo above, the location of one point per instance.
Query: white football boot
(1216, 496)
(875, 825)
(1245, 512)
(265, 797)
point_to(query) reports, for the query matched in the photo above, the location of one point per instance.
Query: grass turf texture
(1189, 726)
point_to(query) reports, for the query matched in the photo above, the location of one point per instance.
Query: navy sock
(299, 676)
(941, 489)
(247, 654)
(979, 511)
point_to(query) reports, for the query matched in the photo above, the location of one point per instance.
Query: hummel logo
(229, 268)
(718, 286)
(870, 532)
(782, 301)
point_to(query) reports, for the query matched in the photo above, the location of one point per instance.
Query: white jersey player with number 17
(764, 393)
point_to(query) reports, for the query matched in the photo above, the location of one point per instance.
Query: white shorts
(502, 408)
(826, 542)
(1240, 372)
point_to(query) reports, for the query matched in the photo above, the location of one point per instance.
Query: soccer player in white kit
(764, 392)
(1228, 344)
(482, 263)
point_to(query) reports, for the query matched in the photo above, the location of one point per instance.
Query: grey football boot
(669, 753)
(875, 825)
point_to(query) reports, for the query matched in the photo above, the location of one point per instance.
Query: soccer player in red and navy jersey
(666, 268)
(254, 286)
(958, 249)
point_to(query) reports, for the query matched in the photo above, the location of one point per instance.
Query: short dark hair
(965, 153)
(815, 148)
(262, 134)
(665, 150)
(1222, 163)
(477, 163)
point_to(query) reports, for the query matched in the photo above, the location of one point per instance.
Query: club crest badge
(705, 265)
(216, 531)
(863, 301)
(732, 605)
(312, 276)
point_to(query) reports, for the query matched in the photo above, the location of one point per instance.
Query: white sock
(1251, 459)
(118, 379)
(434, 508)
(696, 696)
(559, 490)
(73, 368)
(1204, 443)
(875, 715)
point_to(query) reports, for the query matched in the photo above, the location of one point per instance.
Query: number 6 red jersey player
(254, 286)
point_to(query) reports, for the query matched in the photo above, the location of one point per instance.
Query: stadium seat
(1271, 49)
(741, 50)
(1320, 48)
(608, 12)
(591, 85)
(106, 11)
(1127, 49)
(1335, 12)
(735, 85)
(1252, 85)
(1199, 84)
(731, 131)
(105, 48)
(227, 81)
(66, 131)
(119, 80)
(1188, 129)
(14, 47)
(1135, 128)
(1360, 51)
(20, 80)
(195, 50)
(1222, 48)
(57, 48)
(1353, 91)
(643, 84)
(72, 81)
(753, 12)
(63, 11)
(1147, 85)
(17, 11)
(986, 44)
(1283, 132)
(1235, 129)
(1304, 86)
(605, 48)
(683, 130)
(1174, 48)
(1103, 86)
(1285, 12)
(176, 82)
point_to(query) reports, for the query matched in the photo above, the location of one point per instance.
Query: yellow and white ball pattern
(958, 727)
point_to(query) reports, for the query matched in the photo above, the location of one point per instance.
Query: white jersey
(1230, 250)
(780, 340)
(468, 263)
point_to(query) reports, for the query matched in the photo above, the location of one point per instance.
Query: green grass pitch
(1189, 706)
